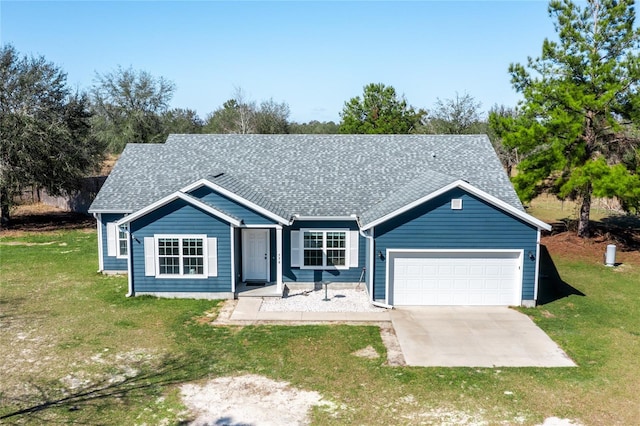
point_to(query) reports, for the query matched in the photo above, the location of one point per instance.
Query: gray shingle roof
(309, 175)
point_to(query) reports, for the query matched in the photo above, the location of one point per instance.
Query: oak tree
(45, 137)
(128, 107)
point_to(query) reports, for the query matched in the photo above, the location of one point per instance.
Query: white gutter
(332, 218)
(110, 211)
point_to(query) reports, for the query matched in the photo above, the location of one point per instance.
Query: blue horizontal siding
(227, 205)
(290, 274)
(111, 263)
(179, 217)
(434, 225)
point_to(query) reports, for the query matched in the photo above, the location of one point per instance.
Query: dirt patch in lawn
(250, 400)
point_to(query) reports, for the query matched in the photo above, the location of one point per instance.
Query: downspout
(537, 273)
(372, 268)
(130, 262)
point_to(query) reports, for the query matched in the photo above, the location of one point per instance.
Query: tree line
(575, 133)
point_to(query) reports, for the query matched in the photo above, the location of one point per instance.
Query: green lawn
(74, 349)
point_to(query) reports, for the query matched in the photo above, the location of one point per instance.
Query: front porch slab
(247, 310)
(267, 290)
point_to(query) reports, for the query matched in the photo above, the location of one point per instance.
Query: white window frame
(125, 229)
(324, 249)
(181, 238)
(113, 240)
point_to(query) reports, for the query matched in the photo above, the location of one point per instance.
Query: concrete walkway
(474, 337)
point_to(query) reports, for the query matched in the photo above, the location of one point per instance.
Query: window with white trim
(324, 249)
(181, 255)
(122, 240)
(117, 240)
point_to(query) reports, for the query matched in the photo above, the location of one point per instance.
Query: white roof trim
(172, 197)
(108, 211)
(348, 218)
(235, 197)
(472, 190)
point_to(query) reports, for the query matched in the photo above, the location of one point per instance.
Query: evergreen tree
(379, 111)
(579, 98)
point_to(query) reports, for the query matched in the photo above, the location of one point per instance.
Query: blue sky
(312, 55)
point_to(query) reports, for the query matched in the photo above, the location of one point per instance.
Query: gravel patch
(340, 300)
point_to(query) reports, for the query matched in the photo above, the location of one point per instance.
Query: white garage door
(455, 278)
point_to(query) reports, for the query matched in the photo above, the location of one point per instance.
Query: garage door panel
(476, 269)
(455, 278)
(461, 284)
(445, 284)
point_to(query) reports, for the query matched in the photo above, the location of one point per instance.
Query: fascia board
(352, 217)
(109, 211)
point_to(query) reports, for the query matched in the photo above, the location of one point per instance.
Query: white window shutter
(149, 256)
(353, 249)
(295, 249)
(112, 239)
(212, 257)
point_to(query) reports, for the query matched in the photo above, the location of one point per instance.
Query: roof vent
(433, 155)
(217, 175)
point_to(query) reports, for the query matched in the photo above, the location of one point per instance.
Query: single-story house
(414, 219)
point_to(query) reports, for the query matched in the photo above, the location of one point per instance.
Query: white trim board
(349, 218)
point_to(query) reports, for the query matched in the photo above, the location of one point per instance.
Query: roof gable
(185, 197)
(470, 189)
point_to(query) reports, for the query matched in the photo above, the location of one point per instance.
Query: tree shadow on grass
(49, 221)
(49, 397)
(551, 285)
(623, 230)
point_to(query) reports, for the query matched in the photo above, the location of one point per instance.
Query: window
(117, 240)
(122, 241)
(324, 249)
(181, 256)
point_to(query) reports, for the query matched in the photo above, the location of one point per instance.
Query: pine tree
(580, 95)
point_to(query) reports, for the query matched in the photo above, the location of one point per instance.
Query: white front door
(255, 255)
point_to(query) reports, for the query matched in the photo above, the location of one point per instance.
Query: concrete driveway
(473, 337)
